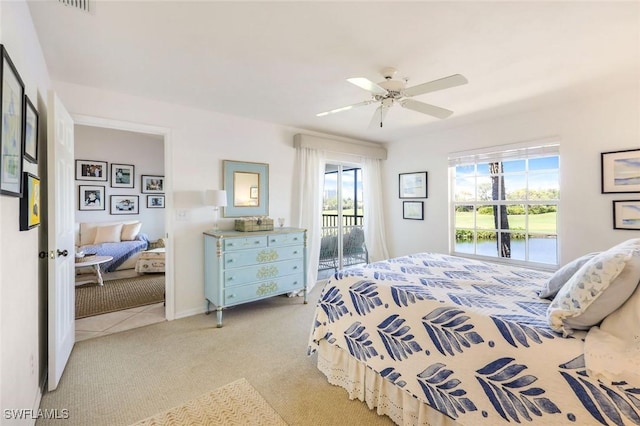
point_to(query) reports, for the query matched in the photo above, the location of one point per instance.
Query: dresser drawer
(255, 291)
(233, 277)
(286, 239)
(245, 243)
(238, 259)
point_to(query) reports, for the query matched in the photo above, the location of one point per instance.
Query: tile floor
(101, 325)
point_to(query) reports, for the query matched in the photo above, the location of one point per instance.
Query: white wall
(21, 316)
(199, 141)
(587, 126)
(144, 152)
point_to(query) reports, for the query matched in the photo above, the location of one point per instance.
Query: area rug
(237, 403)
(116, 295)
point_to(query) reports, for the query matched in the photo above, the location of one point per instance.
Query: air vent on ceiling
(78, 4)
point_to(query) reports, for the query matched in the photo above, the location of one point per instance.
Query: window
(504, 203)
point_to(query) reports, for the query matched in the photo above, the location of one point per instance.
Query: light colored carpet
(235, 404)
(117, 295)
(118, 379)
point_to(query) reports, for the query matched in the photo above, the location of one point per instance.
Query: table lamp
(216, 198)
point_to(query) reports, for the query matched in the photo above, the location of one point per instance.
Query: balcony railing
(353, 248)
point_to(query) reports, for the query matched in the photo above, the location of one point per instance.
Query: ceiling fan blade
(432, 86)
(425, 108)
(378, 116)
(344, 108)
(368, 85)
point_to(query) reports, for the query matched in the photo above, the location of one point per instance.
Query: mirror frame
(262, 169)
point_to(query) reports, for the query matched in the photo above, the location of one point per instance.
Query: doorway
(140, 154)
(342, 243)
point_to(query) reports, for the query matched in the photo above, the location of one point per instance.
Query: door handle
(63, 253)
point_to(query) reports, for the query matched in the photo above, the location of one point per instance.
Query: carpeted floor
(119, 379)
(235, 404)
(116, 295)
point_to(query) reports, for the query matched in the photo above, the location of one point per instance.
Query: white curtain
(310, 165)
(374, 235)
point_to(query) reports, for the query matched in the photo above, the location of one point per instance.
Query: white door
(61, 238)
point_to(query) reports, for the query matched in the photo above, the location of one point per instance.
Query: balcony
(354, 250)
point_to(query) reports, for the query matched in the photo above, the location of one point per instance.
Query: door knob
(63, 253)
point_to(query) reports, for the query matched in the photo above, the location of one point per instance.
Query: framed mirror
(247, 186)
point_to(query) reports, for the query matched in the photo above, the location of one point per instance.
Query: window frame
(504, 153)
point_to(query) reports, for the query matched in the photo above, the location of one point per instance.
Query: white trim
(359, 148)
(537, 147)
(165, 132)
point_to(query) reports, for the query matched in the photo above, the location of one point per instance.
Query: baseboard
(189, 313)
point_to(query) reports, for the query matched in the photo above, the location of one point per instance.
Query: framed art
(30, 131)
(413, 185)
(253, 193)
(626, 214)
(413, 210)
(620, 171)
(90, 197)
(152, 184)
(30, 202)
(11, 127)
(122, 175)
(155, 201)
(124, 204)
(91, 170)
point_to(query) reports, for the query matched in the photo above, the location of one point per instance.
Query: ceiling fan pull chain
(381, 117)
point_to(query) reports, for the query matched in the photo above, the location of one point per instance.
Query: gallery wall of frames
(18, 143)
(93, 177)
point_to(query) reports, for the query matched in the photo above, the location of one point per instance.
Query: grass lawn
(544, 223)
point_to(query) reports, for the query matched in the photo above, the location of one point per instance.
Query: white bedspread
(470, 339)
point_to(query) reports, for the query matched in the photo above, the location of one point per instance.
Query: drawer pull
(230, 261)
(230, 244)
(231, 296)
(256, 242)
(295, 252)
(230, 279)
(295, 267)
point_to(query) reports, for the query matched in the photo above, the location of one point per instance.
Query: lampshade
(215, 198)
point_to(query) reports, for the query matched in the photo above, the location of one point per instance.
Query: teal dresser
(241, 267)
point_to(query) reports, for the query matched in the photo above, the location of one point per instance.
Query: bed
(121, 240)
(442, 340)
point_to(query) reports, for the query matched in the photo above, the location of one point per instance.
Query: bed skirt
(368, 386)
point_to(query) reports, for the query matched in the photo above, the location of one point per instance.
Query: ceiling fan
(390, 91)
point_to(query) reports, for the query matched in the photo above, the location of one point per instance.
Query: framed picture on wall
(626, 214)
(122, 175)
(11, 127)
(152, 184)
(90, 197)
(155, 201)
(124, 204)
(413, 210)
(413, 185)
(30, 202)
(30, 131)
(621, 171)
(91, 170)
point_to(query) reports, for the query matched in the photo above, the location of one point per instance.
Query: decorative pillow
(130, 231)
(584, 301)
(108, 234)
(562, 275)
(624, 322)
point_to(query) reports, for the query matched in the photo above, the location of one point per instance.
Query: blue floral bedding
(470, 339)
(119, 251)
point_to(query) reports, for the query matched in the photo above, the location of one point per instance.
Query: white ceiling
(283, 62)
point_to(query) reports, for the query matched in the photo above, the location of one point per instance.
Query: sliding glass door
(342, 242)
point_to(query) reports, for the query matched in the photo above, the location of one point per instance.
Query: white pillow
(584, 300)
(130, 231)
(108, 234)
(624, 322)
